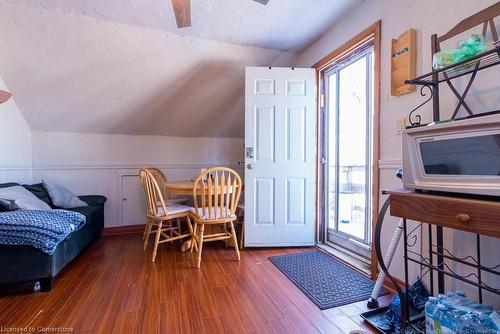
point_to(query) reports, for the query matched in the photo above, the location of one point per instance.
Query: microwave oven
(461, 156)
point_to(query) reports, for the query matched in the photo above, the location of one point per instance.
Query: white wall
(95, 163)
(427, 17)
(15, 143)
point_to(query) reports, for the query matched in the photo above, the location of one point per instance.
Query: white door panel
(134, 206)
(280, 121)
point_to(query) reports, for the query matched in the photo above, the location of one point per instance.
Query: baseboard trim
(123, 230)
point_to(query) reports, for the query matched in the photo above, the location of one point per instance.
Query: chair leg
(190, 228)
(149, 225)
(146, 229)
(235, 240)
(193, 240)
(200, 245)
(157, 240)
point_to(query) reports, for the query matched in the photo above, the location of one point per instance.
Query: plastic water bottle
(443, 320)
(476, 322)
(430, 308)
(455, 313)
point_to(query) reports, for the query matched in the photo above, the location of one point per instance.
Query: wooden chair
(216, 193)
(161, 179)
(159, 212)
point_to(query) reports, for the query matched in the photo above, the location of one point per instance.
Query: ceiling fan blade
(264, 2)
(4, 96)
(182, 9)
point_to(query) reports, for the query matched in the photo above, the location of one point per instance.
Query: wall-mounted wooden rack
(403, 62)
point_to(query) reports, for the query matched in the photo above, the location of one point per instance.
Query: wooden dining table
(185, 188)
(181, 188)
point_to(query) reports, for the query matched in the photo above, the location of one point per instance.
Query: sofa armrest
(93, 199)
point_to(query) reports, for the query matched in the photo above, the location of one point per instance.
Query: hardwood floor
(114, 288)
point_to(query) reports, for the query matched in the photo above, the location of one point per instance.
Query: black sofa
(26, 264)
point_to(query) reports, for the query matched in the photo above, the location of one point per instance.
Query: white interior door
(280, 122)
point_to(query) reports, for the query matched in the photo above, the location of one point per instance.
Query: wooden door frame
(372, 32)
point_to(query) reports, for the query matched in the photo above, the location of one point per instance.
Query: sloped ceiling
(121, 66)
(287, 25)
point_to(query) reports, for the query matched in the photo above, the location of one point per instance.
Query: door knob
(249, 166)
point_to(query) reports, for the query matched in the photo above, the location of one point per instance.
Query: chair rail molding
(15, 167)
(390, 164)
(131, 166)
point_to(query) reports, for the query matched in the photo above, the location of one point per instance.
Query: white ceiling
(281, 24)
(108, 72)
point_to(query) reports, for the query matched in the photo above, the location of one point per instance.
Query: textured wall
(95, 150)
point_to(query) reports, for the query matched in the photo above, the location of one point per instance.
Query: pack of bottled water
(455, 313)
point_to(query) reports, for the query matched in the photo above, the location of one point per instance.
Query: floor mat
(325, 280)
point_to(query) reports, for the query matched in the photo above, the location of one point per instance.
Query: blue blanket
(43, 229)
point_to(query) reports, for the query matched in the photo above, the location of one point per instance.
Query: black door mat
(326, 281)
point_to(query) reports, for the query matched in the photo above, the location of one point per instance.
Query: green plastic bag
(467, 49)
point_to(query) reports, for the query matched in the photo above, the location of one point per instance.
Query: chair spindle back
(219, 191)
(152, 194)
(161, 179)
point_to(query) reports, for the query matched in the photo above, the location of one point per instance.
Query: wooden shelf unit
(461, 213)
(480, 216)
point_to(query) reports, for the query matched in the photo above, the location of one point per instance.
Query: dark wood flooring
(114, 288)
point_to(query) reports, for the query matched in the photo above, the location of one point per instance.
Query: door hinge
(322, 101)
